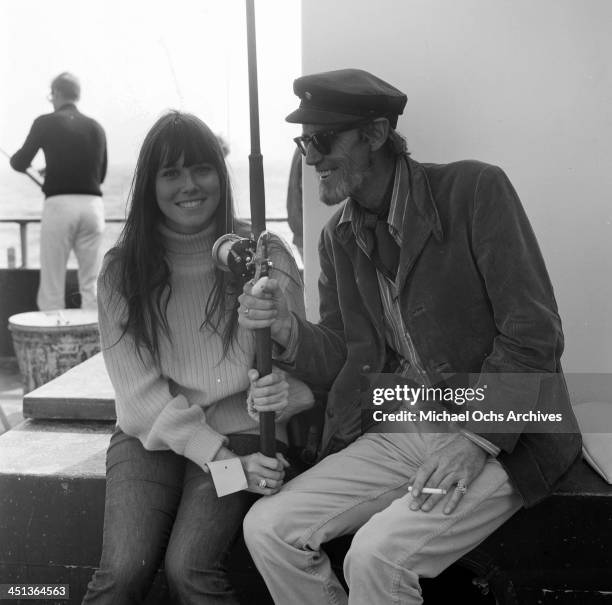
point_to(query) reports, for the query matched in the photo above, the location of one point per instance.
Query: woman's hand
(267, 394)
(264, 475)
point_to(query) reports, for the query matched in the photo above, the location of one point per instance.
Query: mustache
(348, 183)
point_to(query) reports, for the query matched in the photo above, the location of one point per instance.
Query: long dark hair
(137, 266)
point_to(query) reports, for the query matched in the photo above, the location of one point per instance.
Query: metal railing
(24, 222)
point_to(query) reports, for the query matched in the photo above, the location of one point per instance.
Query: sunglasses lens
(322, 142)
(301, 144)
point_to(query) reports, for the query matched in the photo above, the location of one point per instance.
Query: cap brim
(310, 115)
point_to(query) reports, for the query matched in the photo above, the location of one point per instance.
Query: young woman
(180, 366)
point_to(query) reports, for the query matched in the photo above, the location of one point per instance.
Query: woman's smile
(188, 196)
(188, 204)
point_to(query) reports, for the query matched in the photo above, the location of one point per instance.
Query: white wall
(522, 84)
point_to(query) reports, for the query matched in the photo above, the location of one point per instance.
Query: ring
(246, 311)
(262, 483)
(461, 487)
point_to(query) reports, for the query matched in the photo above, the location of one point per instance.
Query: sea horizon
(21, 198)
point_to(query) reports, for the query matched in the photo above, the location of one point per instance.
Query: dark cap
(344, 96)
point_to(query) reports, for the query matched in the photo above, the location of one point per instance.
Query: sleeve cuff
(287, 354)
(485, 444)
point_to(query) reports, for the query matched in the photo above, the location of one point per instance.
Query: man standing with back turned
(427, 272)
(73, 213)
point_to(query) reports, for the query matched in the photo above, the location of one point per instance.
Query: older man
(73, 213)
(426, 270)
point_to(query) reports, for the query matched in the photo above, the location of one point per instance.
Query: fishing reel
(246, 258)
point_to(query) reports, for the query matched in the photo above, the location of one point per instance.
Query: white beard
(348, 183)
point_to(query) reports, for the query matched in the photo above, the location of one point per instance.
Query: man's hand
(267, 394)
(452, 467)
(263, 305)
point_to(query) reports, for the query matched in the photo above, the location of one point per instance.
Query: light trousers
(363, 489)
(70, 222)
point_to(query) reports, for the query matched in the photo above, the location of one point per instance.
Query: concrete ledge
(84, 393)
(52, 483)
(563, 543)
(57, 449)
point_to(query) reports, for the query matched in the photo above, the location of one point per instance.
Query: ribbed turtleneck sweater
(195, 396)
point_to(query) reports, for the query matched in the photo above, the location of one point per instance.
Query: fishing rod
(162, 42)
(31, 176)
(248, 258)
(263, 341)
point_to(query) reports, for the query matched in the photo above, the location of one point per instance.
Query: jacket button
(329, 413)
(366, 368)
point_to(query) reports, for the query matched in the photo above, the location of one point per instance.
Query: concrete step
(11, 394)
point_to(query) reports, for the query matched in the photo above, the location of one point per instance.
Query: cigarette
(429, 490)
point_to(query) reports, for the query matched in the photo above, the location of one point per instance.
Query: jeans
(161, 507)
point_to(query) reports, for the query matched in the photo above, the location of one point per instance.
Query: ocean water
(21, 198)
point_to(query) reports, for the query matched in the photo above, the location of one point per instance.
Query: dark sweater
(75, 152)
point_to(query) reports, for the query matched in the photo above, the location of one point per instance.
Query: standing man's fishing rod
(28, 174)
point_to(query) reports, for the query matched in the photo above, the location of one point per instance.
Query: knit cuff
(204, 444)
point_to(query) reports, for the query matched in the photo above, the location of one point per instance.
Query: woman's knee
(121, 581)
(177, 571)
(190, 580)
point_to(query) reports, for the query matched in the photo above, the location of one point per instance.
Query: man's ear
(377, 132)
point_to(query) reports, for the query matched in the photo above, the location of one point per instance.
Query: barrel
(48, 343)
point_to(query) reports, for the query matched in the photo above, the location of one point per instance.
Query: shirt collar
(69, 105)
(353, 214)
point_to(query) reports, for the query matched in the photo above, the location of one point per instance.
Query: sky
(135, 59)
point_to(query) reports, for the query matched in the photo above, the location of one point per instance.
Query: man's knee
(375, 573)
(264, 523)
(371, 553)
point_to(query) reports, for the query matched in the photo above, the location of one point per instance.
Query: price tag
(228, 476)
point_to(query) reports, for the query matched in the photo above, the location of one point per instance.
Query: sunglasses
(322, 140)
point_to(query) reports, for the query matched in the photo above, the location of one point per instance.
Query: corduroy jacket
(475, 297)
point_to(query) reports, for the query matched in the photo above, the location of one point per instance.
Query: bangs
(197, 144)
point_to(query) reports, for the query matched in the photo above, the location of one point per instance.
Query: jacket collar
(421, 220)
(423, 200)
